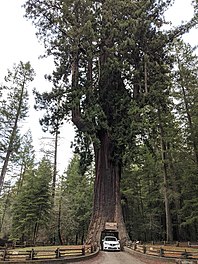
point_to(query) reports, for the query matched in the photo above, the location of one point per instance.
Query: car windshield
(110, 239)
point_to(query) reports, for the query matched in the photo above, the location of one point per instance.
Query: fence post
(95, 246)
(32, 254)
(185, 254)
(144, 249)
(4, 254)
(92, 248)
(57, 252)
(83, 250)
(161, 252)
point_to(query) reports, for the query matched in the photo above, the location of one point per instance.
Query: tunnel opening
(111, 229)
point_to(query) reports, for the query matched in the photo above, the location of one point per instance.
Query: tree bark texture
(55, 165)
(59, 222)
(169, 229)
(107, 199)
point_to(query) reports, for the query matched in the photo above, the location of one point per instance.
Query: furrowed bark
(107, 199)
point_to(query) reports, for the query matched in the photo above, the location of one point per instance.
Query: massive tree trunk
(107, 199)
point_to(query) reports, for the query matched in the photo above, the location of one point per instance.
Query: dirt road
(112, 258)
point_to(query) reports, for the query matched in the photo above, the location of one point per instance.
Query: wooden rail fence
(42, 254)
(189, 256)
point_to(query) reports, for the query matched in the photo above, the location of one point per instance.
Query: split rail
(181, 254)
(7, 254)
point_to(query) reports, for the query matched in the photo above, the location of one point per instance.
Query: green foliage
(142, 184)
(32, 207)
(186, 85)
(82, 147)
(16, 82)
(142, 198)
(76, 199)
(6, 201)
(25, 161)
(13, 109)
(110, 43)
(122, 68)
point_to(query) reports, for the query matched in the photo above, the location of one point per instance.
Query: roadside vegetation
(131, 90)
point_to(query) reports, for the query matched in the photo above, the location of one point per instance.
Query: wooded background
(158, 144)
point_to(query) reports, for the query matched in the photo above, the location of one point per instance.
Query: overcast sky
(19, 43)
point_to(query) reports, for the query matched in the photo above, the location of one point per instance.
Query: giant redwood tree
(107, 56)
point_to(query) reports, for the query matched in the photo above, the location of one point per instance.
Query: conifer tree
(78, 191)
(32, 207)
(185, 93)
(26, 157)
(14, 108)
(116, 55)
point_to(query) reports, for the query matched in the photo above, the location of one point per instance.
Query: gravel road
(112, 258)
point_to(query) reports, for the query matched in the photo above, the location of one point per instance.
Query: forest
(130, 87)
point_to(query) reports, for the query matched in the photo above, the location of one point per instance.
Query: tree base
(97, 230)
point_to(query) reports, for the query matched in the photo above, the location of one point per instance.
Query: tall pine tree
(14, 108)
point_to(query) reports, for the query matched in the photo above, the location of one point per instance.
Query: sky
(19, 43)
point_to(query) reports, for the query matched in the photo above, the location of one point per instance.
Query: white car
(110, 243)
